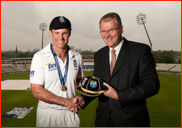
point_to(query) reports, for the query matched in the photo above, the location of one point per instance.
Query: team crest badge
(61, 19)
(75, 64)
(93, 84)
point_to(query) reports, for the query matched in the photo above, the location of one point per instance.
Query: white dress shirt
(117, 48)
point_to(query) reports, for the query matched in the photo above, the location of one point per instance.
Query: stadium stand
(88, 66)
(165, 67)
(2, 72)
(14, 68)
(177, 67)
(9, 68)
(6, 69)
(27, 66)
(23, 68)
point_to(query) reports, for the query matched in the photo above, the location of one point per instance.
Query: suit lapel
(122, 57)
(106, 66)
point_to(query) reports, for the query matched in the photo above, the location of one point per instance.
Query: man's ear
(122, 31)
(70, 33)
(50, 32)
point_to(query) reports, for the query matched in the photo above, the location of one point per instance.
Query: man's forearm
(47, 96)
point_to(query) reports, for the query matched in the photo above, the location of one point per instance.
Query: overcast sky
(20, 22)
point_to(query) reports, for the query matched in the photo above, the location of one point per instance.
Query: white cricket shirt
(44, 72)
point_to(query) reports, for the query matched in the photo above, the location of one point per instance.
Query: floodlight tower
(141, 19)
(42, 27)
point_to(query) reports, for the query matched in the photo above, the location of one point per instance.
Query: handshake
(75, 104)
(92, 87)
(89, 86)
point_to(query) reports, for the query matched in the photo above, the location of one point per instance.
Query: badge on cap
(93, 84)
(61, 19)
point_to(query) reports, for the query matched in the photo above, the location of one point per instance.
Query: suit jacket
(134, 78)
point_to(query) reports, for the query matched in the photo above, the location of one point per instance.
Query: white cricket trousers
(56, 118)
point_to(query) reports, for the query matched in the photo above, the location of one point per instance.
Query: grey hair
(110, 16)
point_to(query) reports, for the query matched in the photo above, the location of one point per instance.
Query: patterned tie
(113, 61)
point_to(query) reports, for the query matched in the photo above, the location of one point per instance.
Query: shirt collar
(118, 47)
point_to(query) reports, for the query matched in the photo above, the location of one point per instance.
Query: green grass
(164, 108)
(16, 76)
(18, 98)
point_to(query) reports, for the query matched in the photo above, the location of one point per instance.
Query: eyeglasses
(110, 31)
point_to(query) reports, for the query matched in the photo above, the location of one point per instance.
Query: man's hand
(111, 92)
(76, 104)
(80, 100)
(73, 107)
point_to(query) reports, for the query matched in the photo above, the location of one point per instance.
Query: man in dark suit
(130, 75)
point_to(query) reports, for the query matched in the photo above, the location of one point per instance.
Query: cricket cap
(60, 22)
(91, 86)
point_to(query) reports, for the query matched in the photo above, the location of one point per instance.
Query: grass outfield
(164, 108)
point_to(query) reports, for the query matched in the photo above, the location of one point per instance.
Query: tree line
(159, 56)
(10, 54)
(165, 56)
